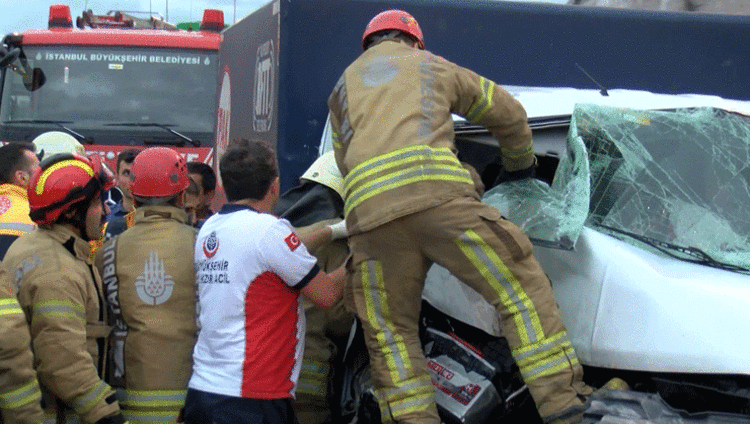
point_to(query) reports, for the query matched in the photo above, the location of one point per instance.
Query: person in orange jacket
(17, 162)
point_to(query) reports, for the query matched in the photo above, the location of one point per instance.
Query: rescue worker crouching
(60, 291)
(149, 279)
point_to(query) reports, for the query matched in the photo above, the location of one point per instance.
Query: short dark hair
(12, 159)
(127, 156)
(247, 169)
(206, 172)
(389, 34)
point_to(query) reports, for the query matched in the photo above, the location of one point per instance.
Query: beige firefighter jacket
(393, 131)
(149, 278)
(62, 297)
(20, 397)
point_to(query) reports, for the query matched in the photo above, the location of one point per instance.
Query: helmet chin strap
(78, 220)
(82, 229)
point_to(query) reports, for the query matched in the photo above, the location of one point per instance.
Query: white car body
(625, 307)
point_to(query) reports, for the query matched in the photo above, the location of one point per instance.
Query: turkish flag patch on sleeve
(292, 241)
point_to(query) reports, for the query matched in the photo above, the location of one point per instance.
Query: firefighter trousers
(386, 276)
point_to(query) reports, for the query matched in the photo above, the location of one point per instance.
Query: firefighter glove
(505, 176)
(338, 230)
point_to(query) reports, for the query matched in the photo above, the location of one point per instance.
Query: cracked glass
(673, 182)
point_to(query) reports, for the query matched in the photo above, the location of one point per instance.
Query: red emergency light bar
(213, 20)
(120, 29)
(59, 16)
(119, 37)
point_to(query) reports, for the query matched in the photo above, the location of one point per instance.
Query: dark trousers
(209, 408)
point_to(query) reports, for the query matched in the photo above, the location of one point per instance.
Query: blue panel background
(511, 43)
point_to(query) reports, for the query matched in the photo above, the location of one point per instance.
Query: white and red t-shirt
(250, 268)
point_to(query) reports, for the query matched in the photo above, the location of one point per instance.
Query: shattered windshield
(674, 182)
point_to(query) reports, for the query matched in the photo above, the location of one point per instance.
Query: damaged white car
(640, 215)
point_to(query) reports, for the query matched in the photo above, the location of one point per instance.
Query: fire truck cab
(113, 81)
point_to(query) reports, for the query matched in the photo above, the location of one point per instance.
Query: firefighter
(55, 142)
(148, 275)
(20, 397)
(393, 142)
(61, 293)
(17, 162)
(318, 201)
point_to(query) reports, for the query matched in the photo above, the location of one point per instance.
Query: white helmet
(325, 171)
(54, 142)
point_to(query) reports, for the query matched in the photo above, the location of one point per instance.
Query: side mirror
(8, 56)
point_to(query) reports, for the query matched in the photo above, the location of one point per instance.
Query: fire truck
(113, 82)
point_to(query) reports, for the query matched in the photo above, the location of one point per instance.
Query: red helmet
(63, 180)
(158, 172)
(394, 19)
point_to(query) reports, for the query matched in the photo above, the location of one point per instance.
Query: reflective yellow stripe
(154, 398)
(64, 308)
(505, 284)
(10, 307)
(399, 168)
(524, 151)
(400, 157)
(413, 404)
(559, 360)
(312, 387)
(16, 228)
(313, 378)
(20, 396)
(390, 342)
(47, 172)
(314, 366)
(482, 104)
(406, 388)
(392, 182)
(88, 400)
(148, 417)
(529, 353)
(413, 395)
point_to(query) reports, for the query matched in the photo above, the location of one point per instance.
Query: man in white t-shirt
(250, 269)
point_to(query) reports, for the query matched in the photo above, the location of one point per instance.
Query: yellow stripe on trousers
(537, 355)
(389, 341)
(513, 297)
(413, 395)
(20, 396)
